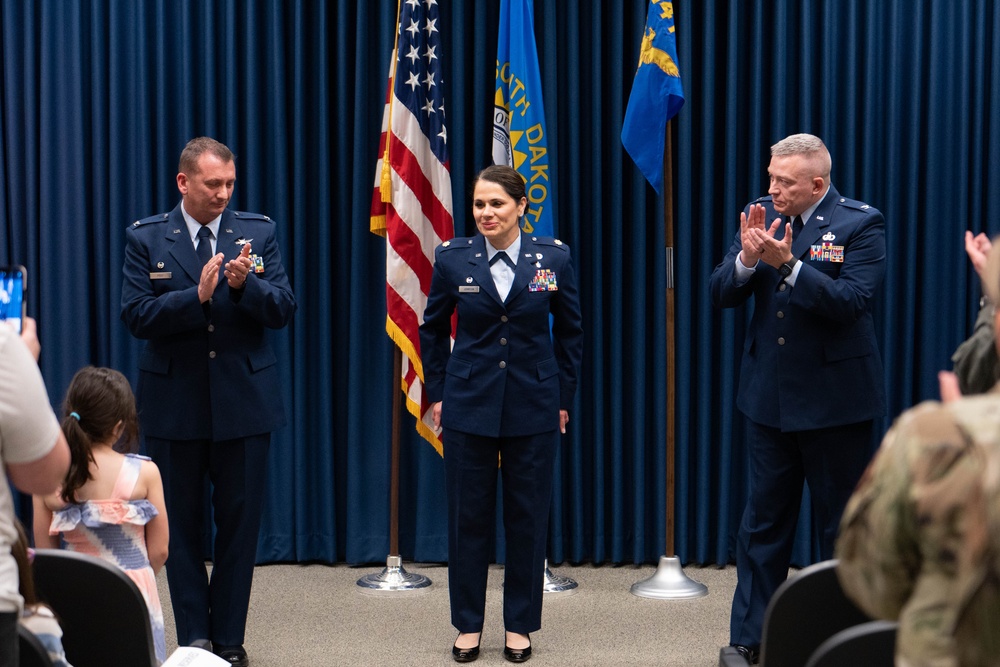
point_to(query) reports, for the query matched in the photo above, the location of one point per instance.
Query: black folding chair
(871, 644)
(807, 608)
(103, 615)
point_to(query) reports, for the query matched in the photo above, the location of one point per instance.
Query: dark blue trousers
(526, 470)
(216, 608)
(831, 461)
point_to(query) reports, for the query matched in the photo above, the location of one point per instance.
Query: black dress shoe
(234, 655)
(465, 654)
(749, 653)
(517, 654)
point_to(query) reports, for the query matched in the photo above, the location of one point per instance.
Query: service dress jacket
(508, 374)
(208, 370)
(810, 357)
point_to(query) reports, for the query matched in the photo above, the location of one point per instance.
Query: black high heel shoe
(517, 654)
(466, 654)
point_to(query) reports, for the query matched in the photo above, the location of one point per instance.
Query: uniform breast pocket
(165, 280)
(831, 269)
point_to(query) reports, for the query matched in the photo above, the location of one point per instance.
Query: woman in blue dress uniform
(502, 392)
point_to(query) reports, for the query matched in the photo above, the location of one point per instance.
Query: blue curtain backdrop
(98, 97)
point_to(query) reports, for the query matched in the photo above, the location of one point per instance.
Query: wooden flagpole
(669, 581)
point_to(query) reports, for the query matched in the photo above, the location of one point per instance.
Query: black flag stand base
(393, 578)
(669, 583)
(557, 584)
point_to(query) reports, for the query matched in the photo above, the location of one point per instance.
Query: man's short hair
(805, 144)
(196, 147)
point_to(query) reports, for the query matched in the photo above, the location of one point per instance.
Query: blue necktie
(504, 256)
(204, 248)
(796, 227)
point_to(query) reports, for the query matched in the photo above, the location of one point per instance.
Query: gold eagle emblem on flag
(650, 55)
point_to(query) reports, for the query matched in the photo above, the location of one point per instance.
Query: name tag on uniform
(468, 288)
(160, 275)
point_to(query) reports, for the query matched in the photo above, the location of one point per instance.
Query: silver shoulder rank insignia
(446, 244)
(242, 241)
(557, 241)
(829, 236)
(470, 241)
(864, 206)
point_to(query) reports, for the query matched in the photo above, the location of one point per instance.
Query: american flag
(411, 204)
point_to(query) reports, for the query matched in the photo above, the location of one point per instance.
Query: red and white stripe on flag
(411, 203)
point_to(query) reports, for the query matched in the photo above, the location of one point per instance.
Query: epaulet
(548, 240)
(246, 215)
(159, 217)
(760, 199)
(138, 456)
(457, 242)
(855, 204)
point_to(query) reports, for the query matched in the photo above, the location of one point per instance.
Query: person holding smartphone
(12, 295)
(202, 284)
(34, 454)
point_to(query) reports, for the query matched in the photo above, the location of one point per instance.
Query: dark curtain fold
(98, 97)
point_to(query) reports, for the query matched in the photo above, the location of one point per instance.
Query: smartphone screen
(12, 295)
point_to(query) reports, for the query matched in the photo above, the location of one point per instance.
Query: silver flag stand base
(669, 583)
(557, 584)
(393, 578)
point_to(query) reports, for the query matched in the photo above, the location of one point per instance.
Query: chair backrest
(33, 654)
(103, 615)
(808, 608)
(871, 644)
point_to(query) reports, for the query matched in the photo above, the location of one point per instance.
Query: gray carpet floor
(317, 615)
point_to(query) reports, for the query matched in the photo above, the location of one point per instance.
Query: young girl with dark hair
(111, 502)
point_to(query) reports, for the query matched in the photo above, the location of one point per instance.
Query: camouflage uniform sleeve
(975, 361)
(909, 534)
(877, 544)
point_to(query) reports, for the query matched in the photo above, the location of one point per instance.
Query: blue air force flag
(519, 137)
(657, 94)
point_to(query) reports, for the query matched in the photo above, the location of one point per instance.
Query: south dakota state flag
(519, 137)
(657, 94)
